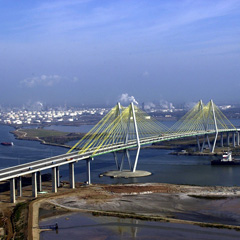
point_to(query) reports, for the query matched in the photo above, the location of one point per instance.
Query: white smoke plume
(126, 99)
(166, 105)
(34, 106)
(149, 106)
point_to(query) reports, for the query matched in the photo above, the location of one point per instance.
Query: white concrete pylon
(216, 127)
(71, 175)
(137, 137)
(34, 184)
(12, 190)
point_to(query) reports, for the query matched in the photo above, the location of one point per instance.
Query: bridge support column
(137, 138)
(209, 144)
(214, 143)
(39, 181)
(19, 186)
(58, 177)
(234, 139)
(198, 143)
(126, 152)
(136, 159)
(54, 180)
(34, 184)
(237, 138)
(221, 140)
(71, 175)
(228, 139)
(203, 144)
(216, 127)
(88, 165)
(12, 190)
(116, 160)
(129, 159)
(122, 162)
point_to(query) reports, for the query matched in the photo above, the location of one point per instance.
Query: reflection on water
(85, 226)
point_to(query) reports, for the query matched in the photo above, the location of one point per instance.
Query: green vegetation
(47, 136)
(216, 225)
(20, 221)
(130, 215)
(42, 133)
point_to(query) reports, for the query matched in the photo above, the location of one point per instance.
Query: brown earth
(112, 200)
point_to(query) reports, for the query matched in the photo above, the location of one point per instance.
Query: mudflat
(205, 206)
(202, 204)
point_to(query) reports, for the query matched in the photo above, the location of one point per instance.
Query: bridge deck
(43, 164)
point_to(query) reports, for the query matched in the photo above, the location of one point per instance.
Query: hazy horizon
(93, 52)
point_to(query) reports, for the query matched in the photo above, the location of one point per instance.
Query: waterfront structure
(124, 128)
(24, 117)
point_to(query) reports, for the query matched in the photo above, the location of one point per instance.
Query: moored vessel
(7, 143)
(226, 159)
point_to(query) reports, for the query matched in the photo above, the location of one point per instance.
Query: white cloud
(145, 74)
(56, 5)
(192, 11)
(126, 99)
(43, 80)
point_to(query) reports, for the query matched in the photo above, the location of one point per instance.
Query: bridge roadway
(56, 161)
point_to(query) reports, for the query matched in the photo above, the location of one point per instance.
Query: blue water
(164, 167)
(84, 226)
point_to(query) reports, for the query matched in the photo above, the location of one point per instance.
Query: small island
(51, 137)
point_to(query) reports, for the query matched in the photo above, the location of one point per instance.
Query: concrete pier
(116, 159)
(34, 184)
(19, 186)
(71, 175)
(12, 190)
(228, 139)
(39, 181)
(54, 180)
(237, 138)
(221, 140)
(88, 171)
(58, 177)
(198, 143)
(234, 139)
(126, 174)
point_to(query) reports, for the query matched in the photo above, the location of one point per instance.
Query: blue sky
(93, 51)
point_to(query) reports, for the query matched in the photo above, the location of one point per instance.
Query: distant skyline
(93, 52)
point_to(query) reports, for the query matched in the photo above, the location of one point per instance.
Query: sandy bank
(162, 202)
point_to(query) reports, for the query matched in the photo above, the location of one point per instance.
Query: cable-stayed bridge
(125, 128)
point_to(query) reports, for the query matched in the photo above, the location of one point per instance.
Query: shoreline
(176, 148)
(119, 201)
(20, 134)
(183, 204)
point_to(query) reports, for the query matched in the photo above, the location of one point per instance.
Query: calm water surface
(84, 226)
(164, 167)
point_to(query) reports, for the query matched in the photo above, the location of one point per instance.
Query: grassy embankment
(47, 136)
